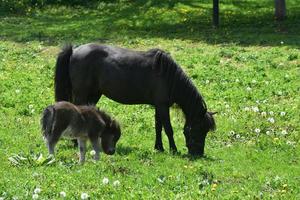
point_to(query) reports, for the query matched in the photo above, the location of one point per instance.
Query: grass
(247, 70)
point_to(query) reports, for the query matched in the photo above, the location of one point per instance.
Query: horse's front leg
(164, 116)
(82, 149)
(158, 128)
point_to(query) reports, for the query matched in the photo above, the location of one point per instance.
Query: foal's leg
(96, 145)
(82, 149)
(158, 128)
(165, 119)
(53, 138)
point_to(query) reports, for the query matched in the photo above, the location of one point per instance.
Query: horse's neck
(189, 100)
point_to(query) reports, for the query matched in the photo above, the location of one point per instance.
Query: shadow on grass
(245, 23)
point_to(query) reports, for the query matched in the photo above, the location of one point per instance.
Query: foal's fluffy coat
(81, 123)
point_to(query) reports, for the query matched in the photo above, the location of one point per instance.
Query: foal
(64, 119)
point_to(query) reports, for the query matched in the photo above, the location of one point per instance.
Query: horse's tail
(47, 120)
(62, 81)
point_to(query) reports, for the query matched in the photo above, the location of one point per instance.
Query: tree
(216, 12)
(280, 10)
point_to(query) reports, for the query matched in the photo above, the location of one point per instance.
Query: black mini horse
(85, 73)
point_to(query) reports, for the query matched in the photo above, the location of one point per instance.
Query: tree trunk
(216, 12)
(280, 11)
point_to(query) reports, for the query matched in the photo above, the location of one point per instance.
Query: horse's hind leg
(164, 116)
(158, 128)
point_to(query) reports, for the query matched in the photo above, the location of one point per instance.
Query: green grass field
(248, 71)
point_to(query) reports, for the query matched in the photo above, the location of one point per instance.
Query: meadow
(248, 71)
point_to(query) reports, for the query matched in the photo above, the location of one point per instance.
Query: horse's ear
(212, 113)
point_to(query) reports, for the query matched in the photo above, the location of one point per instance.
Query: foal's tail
(62, 81)
(47, 120)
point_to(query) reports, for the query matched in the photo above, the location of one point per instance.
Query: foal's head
(195, 133)
(110, 137)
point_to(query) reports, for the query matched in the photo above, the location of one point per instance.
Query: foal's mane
(181, 89)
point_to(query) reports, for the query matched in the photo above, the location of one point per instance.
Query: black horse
(152, 77)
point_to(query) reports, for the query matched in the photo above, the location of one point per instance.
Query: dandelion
(62, 194)
(271, 113)
(267, 82)
(105, 181)
(93, 152)
(282, 113)
(281, 42)
(254, 81)
(227, 106)
(255, 109)
(248, 89)
(30, 106)
(37, 190)
(232, 132)
(247, 109)
(35, 196)
(116, 183)
(237, 80)
(17, 91)
(264, 114)
(237, 136)
(284, 132)
(271, 120)
(257, 130)
(84, 196)
(279, 93)
(207, 81)
(268, 132)
(290, 143)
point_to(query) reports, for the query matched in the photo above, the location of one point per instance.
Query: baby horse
(81, 123)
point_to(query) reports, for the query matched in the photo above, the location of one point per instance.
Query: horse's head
(110, 137)
(195, 133)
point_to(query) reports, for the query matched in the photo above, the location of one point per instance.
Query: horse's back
(124, 75)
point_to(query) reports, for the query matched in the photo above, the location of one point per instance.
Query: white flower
(290, 143)
(18, 91)
(93, 152)
(207, 81)
(264, 114)
(271, 120)
(281, 42)
(271, 113)
(248, 89)
(267, 82)
(231, 132)
(35, 196)
(2, 198)
(264, 101)
(105, 181)
(257, 101)
(237, 136)
(253, 81)
(246, 108)
(237, 80)
(62, 194)
(116, 183)
(282, 113)
(84, 196)
(255, 109)
(284, 132)
(279, 93)
(257, 130)
(37, 190)
(160, 180)
(227, 106)
(30, 106)
(268, 132)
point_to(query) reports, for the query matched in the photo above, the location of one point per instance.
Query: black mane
(181, 89)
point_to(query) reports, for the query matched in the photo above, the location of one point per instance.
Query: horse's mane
(181, 89)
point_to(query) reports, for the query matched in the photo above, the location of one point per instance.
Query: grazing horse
(64, 119)
(152, 77)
